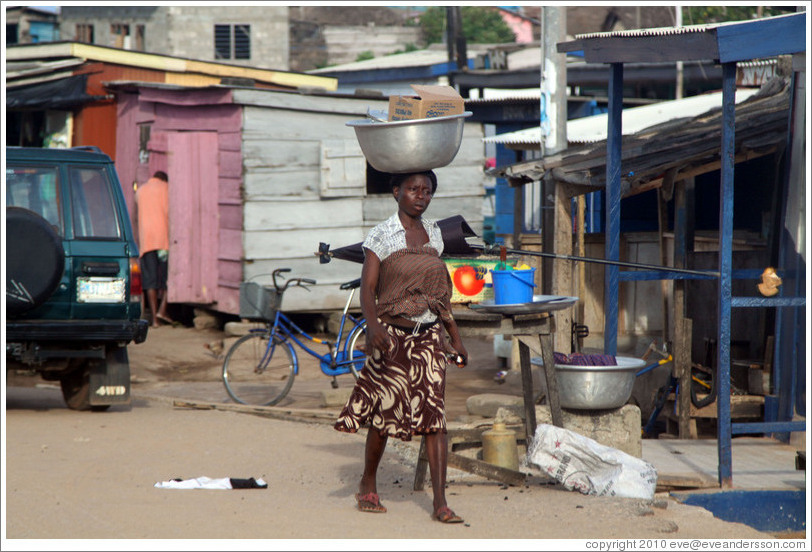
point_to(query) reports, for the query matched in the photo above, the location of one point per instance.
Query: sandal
(165, 319)
(370, 502)
(447, 515)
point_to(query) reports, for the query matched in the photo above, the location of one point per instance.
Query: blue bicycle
(259, 369)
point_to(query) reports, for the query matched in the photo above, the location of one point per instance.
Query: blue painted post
(612, 235)
(728, 151)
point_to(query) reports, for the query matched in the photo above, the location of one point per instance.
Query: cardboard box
(471, 280)
(431, 101)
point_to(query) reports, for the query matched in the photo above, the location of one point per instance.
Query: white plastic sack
(582, 464)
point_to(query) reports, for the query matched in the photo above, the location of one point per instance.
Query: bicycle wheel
(258, 375)
(357, 344)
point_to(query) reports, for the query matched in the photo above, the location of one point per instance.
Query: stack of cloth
(582, 359)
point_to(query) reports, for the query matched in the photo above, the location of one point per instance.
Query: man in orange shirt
(152, 208)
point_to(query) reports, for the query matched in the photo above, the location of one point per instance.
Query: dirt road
(73, 475)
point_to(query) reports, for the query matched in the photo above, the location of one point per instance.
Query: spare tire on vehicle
(35, 260)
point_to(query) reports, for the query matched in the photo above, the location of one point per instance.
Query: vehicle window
(35, 189)
(94, 212)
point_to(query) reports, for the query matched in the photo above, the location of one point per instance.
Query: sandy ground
(74, 475)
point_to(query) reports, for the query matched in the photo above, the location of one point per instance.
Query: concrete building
(31, 25)
(242, 35)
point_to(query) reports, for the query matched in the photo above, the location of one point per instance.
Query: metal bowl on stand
(410, 146)
(595, 387)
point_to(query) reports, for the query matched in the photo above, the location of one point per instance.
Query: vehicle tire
(76, 388)
(357, 344)
(257, 375)
(31, 279)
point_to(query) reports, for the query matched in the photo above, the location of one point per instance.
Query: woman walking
(405, 294)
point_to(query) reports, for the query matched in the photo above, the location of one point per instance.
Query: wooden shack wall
(166, 111)
(296, 196)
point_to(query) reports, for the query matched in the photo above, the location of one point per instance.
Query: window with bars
(84, 33)
(232, 41)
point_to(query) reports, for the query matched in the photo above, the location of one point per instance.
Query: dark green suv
(73, 286)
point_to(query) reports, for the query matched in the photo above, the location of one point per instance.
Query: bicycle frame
(332, 363)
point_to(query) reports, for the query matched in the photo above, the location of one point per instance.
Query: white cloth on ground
(222, 483)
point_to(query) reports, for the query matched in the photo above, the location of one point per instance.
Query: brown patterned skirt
(402, 392)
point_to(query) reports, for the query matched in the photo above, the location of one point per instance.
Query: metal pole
(704, 273)
(612, 234)
(678, 92)
(723, 428)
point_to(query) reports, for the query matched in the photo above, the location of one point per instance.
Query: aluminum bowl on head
(595, 387)
(410, 146)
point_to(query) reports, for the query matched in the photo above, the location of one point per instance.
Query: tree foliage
(480, 25)
(700, 15)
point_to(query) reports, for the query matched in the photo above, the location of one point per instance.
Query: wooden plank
(649, 49)
(527, 390)
(229, 273)
(230, 244)
(301, 214)
(230, 216)
(229, 141)
(210, 118)
(741, 406)
(422, 466)
(378, 209)
(289, 155)
(230, 190)
(273, 124)
(466, 464)
(230, 164)
(682, 363)
(277, 413)
(671, 482)
(346, 108)
(563, 281)
(787, 35)
(284, 244)
(333, 274)
(483, 469)
(268, 183)
(552, 382)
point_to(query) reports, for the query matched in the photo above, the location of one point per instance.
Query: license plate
(100, 290)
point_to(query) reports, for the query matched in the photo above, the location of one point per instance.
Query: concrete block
(487, 404)
(619, 428)
(241, 328)
(204, 320)
(335, 397)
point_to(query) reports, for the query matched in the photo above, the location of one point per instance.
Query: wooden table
(534, 331)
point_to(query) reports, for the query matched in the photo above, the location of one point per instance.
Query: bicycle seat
(352, 285)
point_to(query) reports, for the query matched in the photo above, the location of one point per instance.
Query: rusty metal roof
(679, 147)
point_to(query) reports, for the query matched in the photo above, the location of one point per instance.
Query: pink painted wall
(195, 137)
(522, 28)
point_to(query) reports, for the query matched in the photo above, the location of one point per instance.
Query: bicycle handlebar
(293, 282)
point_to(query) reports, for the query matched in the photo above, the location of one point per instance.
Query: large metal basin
(595, 387)
(410, 146)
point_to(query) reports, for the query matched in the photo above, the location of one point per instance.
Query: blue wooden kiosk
(726, 44)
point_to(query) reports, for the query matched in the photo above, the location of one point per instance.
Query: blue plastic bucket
(511, 287)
